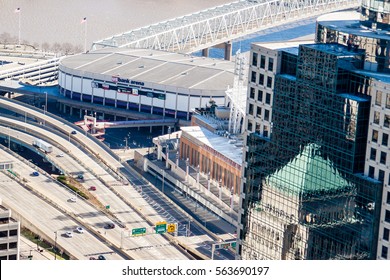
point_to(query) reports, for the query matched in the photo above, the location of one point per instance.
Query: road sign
(138, 231)
(161, 227)
(171, 227)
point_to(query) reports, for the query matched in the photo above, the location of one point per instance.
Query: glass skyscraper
(316, 175)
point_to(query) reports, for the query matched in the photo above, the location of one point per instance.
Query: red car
(92, 188)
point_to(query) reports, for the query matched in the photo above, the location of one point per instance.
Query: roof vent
(141, 66)
(184, 73)
(119, 62)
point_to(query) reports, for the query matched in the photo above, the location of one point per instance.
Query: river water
(59, 21)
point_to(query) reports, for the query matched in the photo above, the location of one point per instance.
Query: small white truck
(44, 146)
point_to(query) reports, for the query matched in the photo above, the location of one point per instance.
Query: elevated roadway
(94, 217)
(151, 208)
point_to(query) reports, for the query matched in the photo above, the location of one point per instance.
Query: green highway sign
(161, 227)
(138, 231)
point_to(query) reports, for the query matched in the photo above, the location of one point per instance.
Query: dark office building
(316, 172)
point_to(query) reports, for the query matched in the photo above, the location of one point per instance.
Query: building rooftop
(154, 66)
(287, 46)
(349, 23)
(223, 145)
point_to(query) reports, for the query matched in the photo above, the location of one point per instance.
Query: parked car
(74, 132)
(80, 230)
(92, 188)
(35, 173)
(69, 234)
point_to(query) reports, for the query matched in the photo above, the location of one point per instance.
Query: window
(265, 131)
(381, 175)
(250, 112)
(378, 98)
(269, 82)
(258, 113)
(12, 245)
(249, 126)
(374, 137)
(262, 62)
(386, 234)
(384, 252)
(385, 139)
(268, 98)
(13, 232)
(270, 64)
(254, 59)
(253, 77)
(373, 154)
(383, 158)
(252, 93)
(266, 115)
(388, 198)
(261, 79)
(386, 122)
(371, 171)
(388, 101)
(377, 116)
(387, 216)
(260, 95)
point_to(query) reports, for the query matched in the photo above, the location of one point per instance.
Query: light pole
(231, 198)
(187, 167)
(163, 181)
(9, 138)
(208, 181)
(55, 245)
(45, 100)
(220, 189)
(126, 143)
(197, 174)
(167, 150)
(177, 159)
(44, 112)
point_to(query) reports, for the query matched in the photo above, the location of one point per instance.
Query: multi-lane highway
(128, 205)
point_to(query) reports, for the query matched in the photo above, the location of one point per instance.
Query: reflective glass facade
(305, 195)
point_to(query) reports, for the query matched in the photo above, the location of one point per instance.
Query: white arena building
(156, 82)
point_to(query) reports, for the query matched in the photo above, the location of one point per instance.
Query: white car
(68, 234)
(60, 155)
(80, 230)
(72, 199)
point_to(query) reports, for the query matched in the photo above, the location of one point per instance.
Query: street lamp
(177, 159)
(231, 198)
(197, 174)
(187, 167)
(220, 189)
(45, 100)
(55, 246)
(163, 178)
(208, 181)
(167, 150)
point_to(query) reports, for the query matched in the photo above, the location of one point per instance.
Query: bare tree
(5, 38)
(56, 47)
(78, 49)
(45, 47)
(67, 48)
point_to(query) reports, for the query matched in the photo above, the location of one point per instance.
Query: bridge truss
(211, 27)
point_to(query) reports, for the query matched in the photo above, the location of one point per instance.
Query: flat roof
(349, 23)
(216, 142)
(154, 66)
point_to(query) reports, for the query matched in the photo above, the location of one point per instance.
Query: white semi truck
(44, 146)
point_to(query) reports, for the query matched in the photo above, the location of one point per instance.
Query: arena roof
(159, 67)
